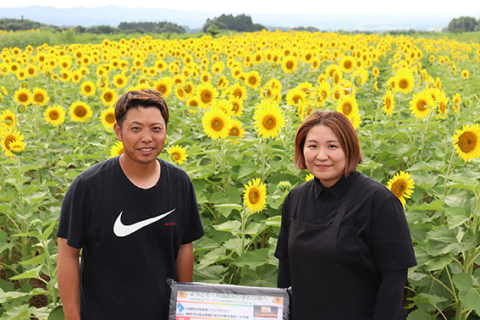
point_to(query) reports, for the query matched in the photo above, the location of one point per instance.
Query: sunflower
(4, 91)
(404, 80)
(421, 103)
(269, 119)
(189, 89)
(206, 94)
(402, 186)
(236, 131)
(237, 106)
(442, 103)
(255, 195)
(109, 97)
(289, 64)
(164, 86)
(238, 91)
(120, 80)
(388, 103)
(467, 142)
(88, 88)
(332, 69)
(222, 82)
(40, 97)
(322, 91)
(17, 147)
(309, 177)
(295, 97)
(54, 115)
(216, 123)
(457, 100)
(465, 74)
(178, 154)
(23, 96)
(116, 149)
(253, 79)
(108, 117)
(80, 111)
(222, 104)
(348, 64)
(21, 74)
(8, 137)
(7, 119)
(348, 106)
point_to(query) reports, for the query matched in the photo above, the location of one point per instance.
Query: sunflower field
(235, 104)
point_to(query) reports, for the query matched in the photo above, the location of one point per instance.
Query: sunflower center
(54, 115)
(217, 124)
(9, 139)
(120, 81)
(23, 97)
(234, 132)
(403, 83)
(88, 89)
(254, 196)
(175, 156)
(252, 80)
(467, 141)
(347, 108)
(206, 96)
(108, 97)
(235, 108)
(347, 64)
(289, 64)
(421, 105)
(269, 122)
(39, 97)
(399, 187)
(238, 93)
(388, 102)
(80, 111)
(110, 118)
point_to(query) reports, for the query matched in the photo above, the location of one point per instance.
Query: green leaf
(35, 197)
(40, 259)
(234, 244)
(463, 281)
(456, 216)
(438, 263)
(21, 313)
(252, 259)
(205, 243)
(33, 273)
(420, 315)
(470, 299)
(246, 169)
(212, 257)
(434, 206)
(275, 221)
(210, 274)
(234, 227)
(443, 241)
(57, 314)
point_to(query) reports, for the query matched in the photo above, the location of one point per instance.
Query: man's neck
(143, 176)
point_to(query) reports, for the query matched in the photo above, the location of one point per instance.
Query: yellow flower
(17, 147)
(348, 64)
(289, 64)
(404, 80)
(80, 111)
(295, 97)
(116, 149)
(109, 97)
(4, 91)
(348, 106)
(237, 90)
(54, 115)
(465, 74)
(164, 86)
(189, 89)
(108, 117)
(269, 119)
(309, 177)
(388, 103)
(466, 142)
(178, 154)
(457, 100)
(237, 106)
(23, 96)
(253, 79)
(222, 82)
(216, 123)
(120, 80)
(236, 131)
(206, 94)
(8, 137)
(402, 186)
(7, 119)
(421, 103)
(254, 195)
(88, 88)
(40, 97)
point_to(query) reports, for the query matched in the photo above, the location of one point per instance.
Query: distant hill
(113, 15)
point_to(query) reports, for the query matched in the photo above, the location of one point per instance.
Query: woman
(344, 245)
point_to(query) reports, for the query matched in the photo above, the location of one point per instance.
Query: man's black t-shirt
(130, 238)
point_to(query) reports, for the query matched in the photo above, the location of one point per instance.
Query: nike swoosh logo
(122, 230)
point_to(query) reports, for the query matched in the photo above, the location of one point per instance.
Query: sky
(465, 7)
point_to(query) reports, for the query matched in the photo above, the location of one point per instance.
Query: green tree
(463, 24)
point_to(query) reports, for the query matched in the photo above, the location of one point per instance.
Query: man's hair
(341, 127)
(145, 98)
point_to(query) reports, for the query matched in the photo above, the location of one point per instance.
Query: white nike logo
(122, 230)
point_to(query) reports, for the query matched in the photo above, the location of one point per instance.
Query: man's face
(143, 135)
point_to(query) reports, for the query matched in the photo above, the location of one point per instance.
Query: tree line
(464, 24)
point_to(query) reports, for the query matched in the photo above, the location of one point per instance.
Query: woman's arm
(390, 295)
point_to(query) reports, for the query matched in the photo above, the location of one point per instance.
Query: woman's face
(324, 155)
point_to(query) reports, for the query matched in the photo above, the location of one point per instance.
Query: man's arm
(184, 263)
(68, 275)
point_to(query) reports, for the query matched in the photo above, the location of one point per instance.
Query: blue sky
(465, 7)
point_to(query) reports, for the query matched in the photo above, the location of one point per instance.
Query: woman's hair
(341, 127)
(145, 98)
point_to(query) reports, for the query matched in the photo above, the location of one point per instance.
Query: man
(134, 217)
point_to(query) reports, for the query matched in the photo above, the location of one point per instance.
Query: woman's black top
(373, 239)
